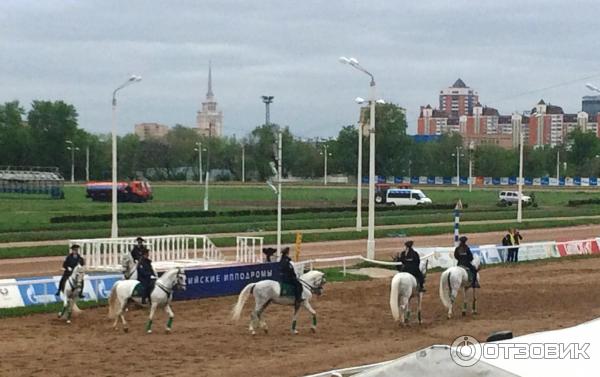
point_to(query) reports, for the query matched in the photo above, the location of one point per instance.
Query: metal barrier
(103, 253)
(249, 249)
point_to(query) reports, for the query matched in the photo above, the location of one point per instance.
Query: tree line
(38, 137)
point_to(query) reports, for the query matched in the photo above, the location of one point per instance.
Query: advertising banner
(545, 181)
(422, 180)
(488, 180)
(398, 179)
(528, 181)
(447, 180)
(593, 181)
(512, 180)
(495, 181)
(537, 181)
(569, 181)
(210, 282)
(585, 181)
(583, 247)
(431, 180)
(414, 180)
(490, 254)
(10, 296)
(553, 181)
(504, 181)
(577, 181)
(537, 251)
(439, 180)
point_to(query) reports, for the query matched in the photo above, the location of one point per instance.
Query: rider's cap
(140, 239)
(74, 247)
(408, 243)
(463, 239)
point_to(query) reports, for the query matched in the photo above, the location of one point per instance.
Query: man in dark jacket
(411, 263)
(288, 274)
(146, 276)
(464, 256)
(136, 252)
(71, 261)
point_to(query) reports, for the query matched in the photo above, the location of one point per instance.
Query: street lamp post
(279, 176)
(268, 100)
(359, 180)
(458, 156)
(199, 150)
(557, 166)
(115, 227)
(471, 147)
(243, 163)
(325, 154)
(87, 163)
(520, 183)
(72, 148)
(371, 223)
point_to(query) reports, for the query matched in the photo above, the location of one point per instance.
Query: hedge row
(580, 202)
(246, 212)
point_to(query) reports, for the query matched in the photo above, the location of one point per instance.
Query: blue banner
(593, 181)
(561, 181)
(577, 181)
(496, 181)
(365, 179)
(414, 180)
(528, 181)
(447, 180)
(221, 281)
(545, 181)
(398, 179)
(38, 293)
(512, 180)
(431, 180)
(465, 181)
(381, 179)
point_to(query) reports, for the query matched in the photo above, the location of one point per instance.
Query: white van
(406, 197)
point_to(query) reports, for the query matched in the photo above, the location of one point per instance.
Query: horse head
(78, 275)
(181, 280)
(126, 262)
(315, 280)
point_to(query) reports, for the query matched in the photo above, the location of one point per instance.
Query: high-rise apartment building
(591, 105)
(458, 99)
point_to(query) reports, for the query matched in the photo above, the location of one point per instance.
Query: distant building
(210, 120)
(591, 105)
(458, 99)
(146, 131)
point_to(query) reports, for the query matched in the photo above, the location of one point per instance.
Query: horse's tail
(113, 302)
(445, 289)
(243, 297)
(394, 292)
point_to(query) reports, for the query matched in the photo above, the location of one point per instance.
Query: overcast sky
(79, 51)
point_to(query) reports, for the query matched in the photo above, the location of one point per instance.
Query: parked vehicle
(510, 197)
(134, 191)
(381, 190)
(406, 197)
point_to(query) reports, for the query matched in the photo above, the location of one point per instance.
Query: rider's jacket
(136, 252)
(410, 260)
(71, 261)
(463, 255)
(286, 270)
(145, 270)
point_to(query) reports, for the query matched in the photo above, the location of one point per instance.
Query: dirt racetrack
(355, 327)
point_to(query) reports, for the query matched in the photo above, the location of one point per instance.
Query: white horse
(404, 287)
(71, 291)
(268, 291)
(453, 279)
(129, 267)
(124, 290)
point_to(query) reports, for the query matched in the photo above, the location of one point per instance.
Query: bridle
(76, 280)
(318, 290)
(175, 286)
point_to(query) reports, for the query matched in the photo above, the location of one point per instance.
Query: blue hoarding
(210, 282)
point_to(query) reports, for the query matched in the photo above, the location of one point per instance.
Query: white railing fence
(106, 252)
(249, 249)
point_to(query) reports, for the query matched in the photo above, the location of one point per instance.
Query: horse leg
(452, 299)
(404, 307)
(313, 327)
(171, 315)
(295, 318)
(464, 309)
(419, 300)
(261, 322)
(149, 323)
(69, 309)
(474, 307)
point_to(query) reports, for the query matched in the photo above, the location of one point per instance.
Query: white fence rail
(249, 249)
(102, 253)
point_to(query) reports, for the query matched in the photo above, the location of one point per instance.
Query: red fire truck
(134, 191)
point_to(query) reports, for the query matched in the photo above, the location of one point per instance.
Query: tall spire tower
(210, 120)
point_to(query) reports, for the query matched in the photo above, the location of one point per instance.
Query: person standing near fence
(512, 238)
(517, 241)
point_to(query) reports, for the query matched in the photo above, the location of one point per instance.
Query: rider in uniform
(136, 252)
(411, 263)
(288, 274)
(464, 256)
(71, 261)
(146, 275)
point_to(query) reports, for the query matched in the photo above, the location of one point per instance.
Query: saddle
(138, 291)
(286, 290)
(469, 274)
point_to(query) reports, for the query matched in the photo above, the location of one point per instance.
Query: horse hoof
(266, 331)
(68, 321)
(125, 329)
(253, 333)
(295, 332)
(149, 332)
(313, 330)
(464, 314)
(59, 315)
(168, 330)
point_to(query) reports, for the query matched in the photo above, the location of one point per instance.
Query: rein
(316, 290)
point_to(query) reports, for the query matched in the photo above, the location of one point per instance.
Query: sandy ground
(355, 327)
(385, 247)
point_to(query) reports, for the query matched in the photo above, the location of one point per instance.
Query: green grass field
(27, 218)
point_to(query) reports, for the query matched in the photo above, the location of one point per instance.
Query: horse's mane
(173, 271)
(312, 274)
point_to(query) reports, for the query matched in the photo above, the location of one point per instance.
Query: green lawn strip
(336, 274)
(28, 252)
(53, 307)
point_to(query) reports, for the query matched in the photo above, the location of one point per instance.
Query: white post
(371, 230)
(115, 227)
(520, 183)
(325, 167)
(87, 163)
(243, 164)
(199, 148)
(557, 166)
(457, 167)
(72, 163)
(470, 173)
(279, 177)
(206, 191)
(359, 181)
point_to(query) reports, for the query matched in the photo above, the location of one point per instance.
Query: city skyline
(78, 52)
